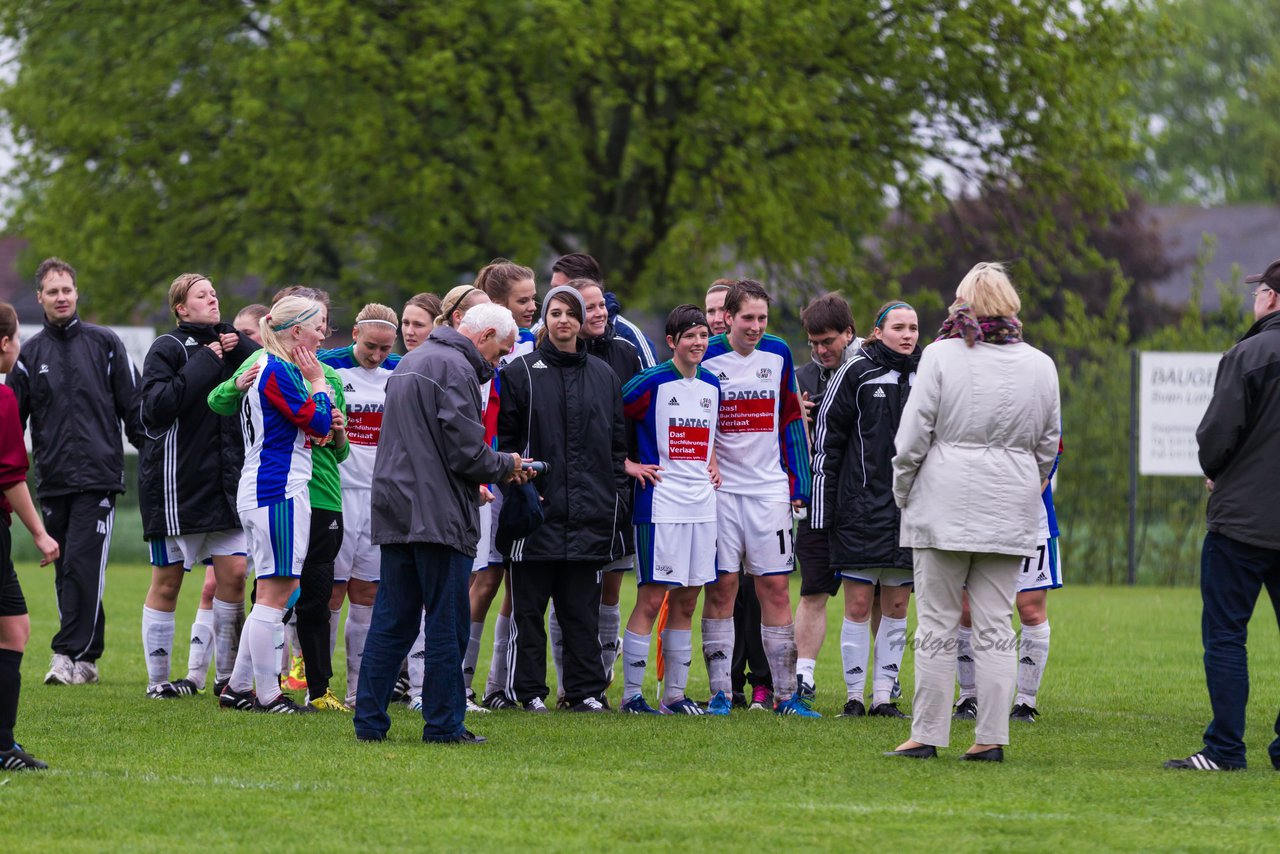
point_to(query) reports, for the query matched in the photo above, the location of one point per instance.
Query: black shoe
(17, 759)
(588, 704)
(924, 751)
(370, 739)
(229, 698)
(1024, 713)
(400, 693)
(1200, 762)
(282, 705)
(535, 706)
(966, 710)
(219, 686)
(162, 691)
(739, 700)
(991, 754)
(854, 709)
(497, 701)
(185, 687)
(468, 737)
(887, 710)
(604, 701)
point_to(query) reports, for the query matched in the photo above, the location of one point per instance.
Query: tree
(382, 145)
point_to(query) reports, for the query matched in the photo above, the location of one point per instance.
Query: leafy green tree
(383, 146)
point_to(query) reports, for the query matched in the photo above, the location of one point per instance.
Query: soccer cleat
(474, 708)
(719, 704)
(185, 687)
(282, 705)
(62, 671)
(761, 699)
(86, 673)
(415, 705)
(966, 709)
(1024, 713)
(535, 706)
(400, 693)
(297, 678)
(888, 710)
(638, 706)
(1199, 762)
(896, 691)
(497, 702)
(854, 709)
(588, 704)
(793, 705)
(162, 691)
(739, 700)
(683, 706)
(230, 698)
(218, 686)
(327, 702)
(17, 759)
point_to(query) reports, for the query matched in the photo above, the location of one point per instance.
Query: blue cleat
(719, 704)
(683, 706)
(795, 705)
(637, 706)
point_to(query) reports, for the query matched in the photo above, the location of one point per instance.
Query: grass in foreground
(1124, 691)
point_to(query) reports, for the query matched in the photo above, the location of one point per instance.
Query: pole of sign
(1134, 371)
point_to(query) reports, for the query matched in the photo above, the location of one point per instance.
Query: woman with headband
(362, 368)
(853, 501)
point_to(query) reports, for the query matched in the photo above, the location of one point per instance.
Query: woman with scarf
(853, 500)
(978, 436)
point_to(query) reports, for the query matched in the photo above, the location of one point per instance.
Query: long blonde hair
(286, 313)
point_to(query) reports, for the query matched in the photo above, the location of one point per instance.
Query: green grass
(1124, 690)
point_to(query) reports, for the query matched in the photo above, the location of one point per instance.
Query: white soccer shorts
(755, 534)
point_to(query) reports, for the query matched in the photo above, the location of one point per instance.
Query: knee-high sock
(472, 655)
(717, 652)
(678, 650)
(965, 674)
(635, 660)
(157, 643)
(610, 622)
(335, 617)
(10, 688)
(201, 649)
(780, 648)
(228, 625)
(499, 666)
(264, 635)
(357, 630)
(855, 645)
(891, 641)
(417, 663)
(557, 647)
(1033, 655)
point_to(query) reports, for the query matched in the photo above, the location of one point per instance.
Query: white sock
(804, 669)
(335, 617)
(357, 629)
(157, 643)
(265, 636)
(855, 645)
(891, 642)
(498, 667)
(635, 660)
(610, 622)
(473, 655)
(779, 644)
(418, 661)
(965, 674)
(1033, 655)
(677, 649)
(557, 647)
(717, 651)
(242, 672)
(201, 647)
(226, 616)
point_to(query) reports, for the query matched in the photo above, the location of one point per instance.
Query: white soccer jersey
(365, 392)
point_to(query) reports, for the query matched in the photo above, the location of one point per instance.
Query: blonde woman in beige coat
(978, 437)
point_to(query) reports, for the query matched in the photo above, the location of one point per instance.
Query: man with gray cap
(1239, 441)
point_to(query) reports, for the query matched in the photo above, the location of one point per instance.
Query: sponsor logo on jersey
(764, 373)
(879, 393)
(721, 376)
(688, 438)
(675, 401)
(348, 387)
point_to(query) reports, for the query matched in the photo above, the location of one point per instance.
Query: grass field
(1124, 690)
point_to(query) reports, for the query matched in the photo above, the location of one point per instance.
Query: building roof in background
(1244, 236)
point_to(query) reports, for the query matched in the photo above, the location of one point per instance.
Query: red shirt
(13, 451)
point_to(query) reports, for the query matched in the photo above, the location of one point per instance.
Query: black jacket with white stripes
(189, 464)
(76, 385)
(853, 459)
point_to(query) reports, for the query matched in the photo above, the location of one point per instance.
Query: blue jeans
(1232, 574)
(417, 577)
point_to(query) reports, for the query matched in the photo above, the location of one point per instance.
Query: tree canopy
(385, 147)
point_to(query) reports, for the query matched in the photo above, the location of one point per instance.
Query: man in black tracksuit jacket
(76, 385)
(1239, 439)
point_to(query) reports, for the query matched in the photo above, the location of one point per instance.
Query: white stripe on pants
(940, 582)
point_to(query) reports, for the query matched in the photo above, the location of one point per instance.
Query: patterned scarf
(963, 323)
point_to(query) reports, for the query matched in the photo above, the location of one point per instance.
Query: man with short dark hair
(75, 383)
(1239, 439)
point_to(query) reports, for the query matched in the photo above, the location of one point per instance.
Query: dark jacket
(189, 465)
(620, 354)
(1239, 438)
(76, 385)
(566, 408)
(853, 459)
(812, 378)
(432, 457)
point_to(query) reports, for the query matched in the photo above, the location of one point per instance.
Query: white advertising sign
(1174, 391)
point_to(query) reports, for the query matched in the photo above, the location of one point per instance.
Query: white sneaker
(86, 673)
(475, 708)
(62, 671)
(415, 705)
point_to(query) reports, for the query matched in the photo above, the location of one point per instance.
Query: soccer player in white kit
(763, 457)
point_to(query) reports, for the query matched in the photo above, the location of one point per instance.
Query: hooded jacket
(853, 459)
(76, 385)
(189, 464)
(1239, 438)
(432, 456)
(566, 410)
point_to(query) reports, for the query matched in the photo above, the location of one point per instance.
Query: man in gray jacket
(432, 459)
(1239, 440)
